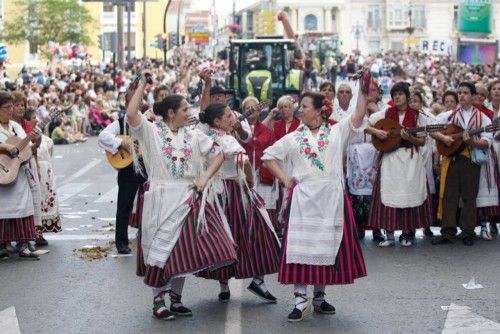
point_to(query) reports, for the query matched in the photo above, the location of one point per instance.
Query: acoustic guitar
(456, 133)
(9, 165)
(393, 141)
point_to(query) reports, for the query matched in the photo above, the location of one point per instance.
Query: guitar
(122, 158)
(393, 141)
(258, 107)
(456, 133)
(9, 165)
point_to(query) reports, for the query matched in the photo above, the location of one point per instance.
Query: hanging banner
(476, 53)
(435, 46)
(475, 16)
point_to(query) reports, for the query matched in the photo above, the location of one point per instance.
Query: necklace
(312, 153)
(177, 158)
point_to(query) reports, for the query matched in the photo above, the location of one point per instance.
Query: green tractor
(262, 68)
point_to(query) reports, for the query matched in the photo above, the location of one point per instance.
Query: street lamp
(165, 32)
(357, 30)
(410, 29)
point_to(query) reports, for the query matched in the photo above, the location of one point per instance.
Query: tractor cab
(262, 68)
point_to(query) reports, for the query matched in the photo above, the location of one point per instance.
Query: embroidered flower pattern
(216, 133)
(310, 152)
(177, 158)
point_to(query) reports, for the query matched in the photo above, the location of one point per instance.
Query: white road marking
(83, 170)
(8, 321)
(111, 195)
(76, 237)
(461, 320)
(70, 189)
(72, 216)
(107, 219)
(233, 313)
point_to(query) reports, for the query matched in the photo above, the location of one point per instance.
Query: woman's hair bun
(202, 117)
(157, 108)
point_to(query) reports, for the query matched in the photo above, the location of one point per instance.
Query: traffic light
(159, 41)
(164, 38)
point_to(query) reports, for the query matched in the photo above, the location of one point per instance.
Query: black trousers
(128, 183)
(462, 181)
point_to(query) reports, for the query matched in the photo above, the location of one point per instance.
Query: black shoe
(182, 311)
(428, 232)
(442, 240)
(493, 229)
(298, 315)
(325, 308)
(41, 242)
(378, 236)
(224, 297)
(123, 250)
(468, 241)
(411, 235)
(4, 254)
(25, 253)
(264, 295)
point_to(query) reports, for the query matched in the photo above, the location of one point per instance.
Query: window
(396, 46)
(418, 16)
(395, 15)
(374, 46)
(373, 17)
(107, 7)
(311, 23)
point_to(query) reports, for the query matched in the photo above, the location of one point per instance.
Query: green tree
(41, 21)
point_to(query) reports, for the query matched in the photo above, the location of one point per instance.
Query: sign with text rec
(436, 46)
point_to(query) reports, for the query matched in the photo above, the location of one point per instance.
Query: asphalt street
(62, 293)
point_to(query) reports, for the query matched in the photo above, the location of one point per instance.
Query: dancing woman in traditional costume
(173, 241)
(256, 243)
(320, 245)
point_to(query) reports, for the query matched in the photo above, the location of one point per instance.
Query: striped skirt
(140, 264)
(193, 252)
(257, 248)
(349, 264)
(135, 217)
(17, 229)
(391, 219)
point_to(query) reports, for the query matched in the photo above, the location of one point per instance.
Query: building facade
(375, 25)
(146, 24)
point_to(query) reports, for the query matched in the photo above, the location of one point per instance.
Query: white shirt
(107, 139)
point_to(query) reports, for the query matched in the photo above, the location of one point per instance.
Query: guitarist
(20, 200)
(459, 175)
(128, 179)
(400, 199)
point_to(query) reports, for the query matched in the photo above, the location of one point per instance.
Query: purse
(479, 156)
